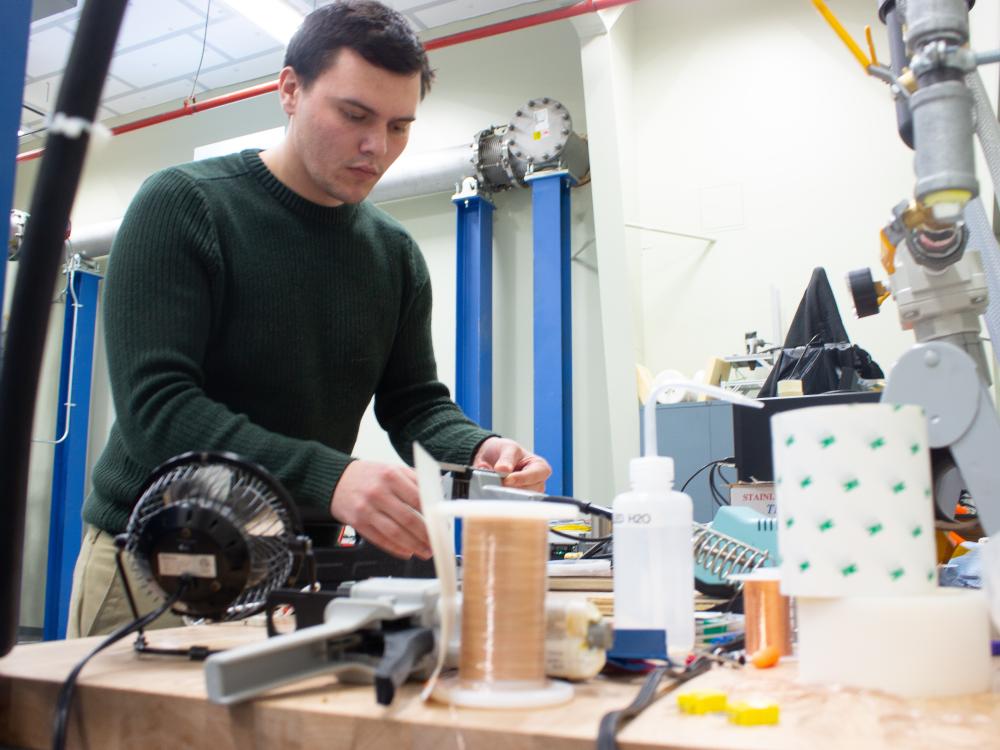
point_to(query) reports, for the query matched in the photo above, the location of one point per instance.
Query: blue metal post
(13, 57)
(69, 470)
(553, 327)
(474, 313)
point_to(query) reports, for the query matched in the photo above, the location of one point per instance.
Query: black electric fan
(211, 535)
(220, 526)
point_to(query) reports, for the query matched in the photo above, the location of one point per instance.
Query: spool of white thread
(917, 646)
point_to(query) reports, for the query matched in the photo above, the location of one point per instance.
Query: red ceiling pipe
(495, 29)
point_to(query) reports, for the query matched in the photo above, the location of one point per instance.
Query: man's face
(349, 125)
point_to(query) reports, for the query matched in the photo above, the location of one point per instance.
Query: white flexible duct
(414, 175)
(976, 218)
(424, 174)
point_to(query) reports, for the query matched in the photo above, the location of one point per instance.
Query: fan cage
(248, 499)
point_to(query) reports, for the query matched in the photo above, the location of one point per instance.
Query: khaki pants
(98, 604)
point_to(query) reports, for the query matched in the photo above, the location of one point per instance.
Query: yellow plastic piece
(888, 254)
(947, 196)
(753, 714)
(702, 702)
(871, 44)
(840, 31)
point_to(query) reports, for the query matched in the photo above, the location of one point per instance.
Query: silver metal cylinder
(424, 173)
(928, 20)
(942, 132)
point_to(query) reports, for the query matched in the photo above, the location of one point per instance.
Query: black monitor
(752, 429)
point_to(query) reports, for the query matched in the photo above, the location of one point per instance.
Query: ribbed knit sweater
(240, 316)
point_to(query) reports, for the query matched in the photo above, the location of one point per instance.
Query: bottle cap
(651, 472)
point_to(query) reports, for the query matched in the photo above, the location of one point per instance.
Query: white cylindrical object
(855, 510)
(653, 561)
(926, 645)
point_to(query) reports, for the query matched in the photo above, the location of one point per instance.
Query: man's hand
(524, 470)
(382, 503)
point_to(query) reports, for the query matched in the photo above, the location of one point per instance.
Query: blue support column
(474, 313)
(69, 471)
(13, 57)
(553, 327)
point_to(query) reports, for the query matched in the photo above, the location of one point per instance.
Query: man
(255, 304)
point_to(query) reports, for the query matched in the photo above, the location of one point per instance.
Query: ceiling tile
(459, 10)
(241, 71)
(163, 61)
(175, 91)
(145, 21)
(42, 93)
(48, 51)
(239, 38)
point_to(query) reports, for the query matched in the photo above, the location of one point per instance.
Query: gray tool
(381, 632)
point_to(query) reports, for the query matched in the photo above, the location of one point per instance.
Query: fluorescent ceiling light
(271, 16)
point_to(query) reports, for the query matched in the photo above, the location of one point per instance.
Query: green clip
(851, 484)
(828, 441)
(804, 566)
(875, 528)
(898, 487)
(876, 443)
(849, 570)
(806, 482)
(789, 522)
(790, 439)
(915, 448)
(826, 525)
(917, 531)
(896, 574)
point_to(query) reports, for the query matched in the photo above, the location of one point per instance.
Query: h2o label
(634, 519)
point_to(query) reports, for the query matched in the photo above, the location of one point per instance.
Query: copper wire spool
(502, 653)
(503, 610)
(768, 616)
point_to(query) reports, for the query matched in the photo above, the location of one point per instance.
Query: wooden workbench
(157, 702)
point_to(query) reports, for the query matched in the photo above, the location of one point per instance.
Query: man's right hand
(382, 503)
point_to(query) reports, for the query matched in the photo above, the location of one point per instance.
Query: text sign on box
(757, 495)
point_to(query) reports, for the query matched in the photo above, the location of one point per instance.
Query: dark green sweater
(241, 317)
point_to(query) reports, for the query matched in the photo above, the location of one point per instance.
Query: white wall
(759, 130)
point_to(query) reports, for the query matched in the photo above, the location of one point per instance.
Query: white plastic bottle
(653, 561)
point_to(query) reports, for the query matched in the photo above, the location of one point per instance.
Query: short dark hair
(378, 33)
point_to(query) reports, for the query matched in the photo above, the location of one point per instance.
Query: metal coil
(723, 555)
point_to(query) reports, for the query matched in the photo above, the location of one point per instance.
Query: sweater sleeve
(162, 301)
(411, 404)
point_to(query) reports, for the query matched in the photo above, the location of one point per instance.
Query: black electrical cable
(583, 505)
(65, 700)
(716, 471)
(594, 551)
(691, 478)
(51, 202)
(612, 722)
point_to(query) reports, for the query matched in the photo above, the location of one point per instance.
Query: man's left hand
(524, 470)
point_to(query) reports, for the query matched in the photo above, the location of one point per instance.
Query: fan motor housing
(186, 538)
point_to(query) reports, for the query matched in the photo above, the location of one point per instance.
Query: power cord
(649, 693)
(65, 700)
